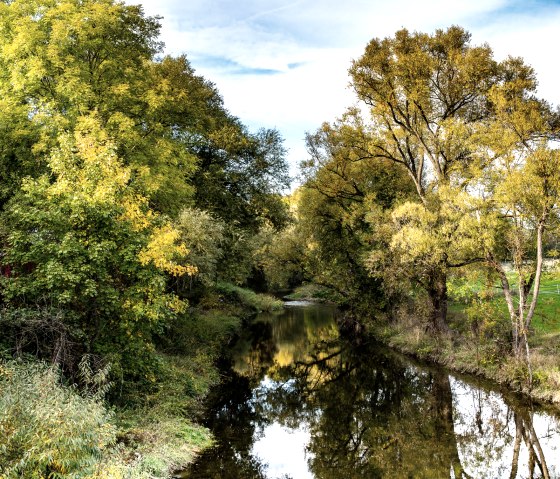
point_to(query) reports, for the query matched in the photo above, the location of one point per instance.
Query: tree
(241, 176)
(85, 246)
(340, 185)
(521, 186)
(62, 60)
(205, 237)
(427, 96)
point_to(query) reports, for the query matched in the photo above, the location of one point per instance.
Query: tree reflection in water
(368, 412)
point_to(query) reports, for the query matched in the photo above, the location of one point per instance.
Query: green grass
(249, 299)
(547, 314)
(314, 292)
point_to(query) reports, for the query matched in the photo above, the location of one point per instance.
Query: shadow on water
(297, 401)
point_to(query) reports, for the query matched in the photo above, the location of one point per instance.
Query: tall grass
(248, 298)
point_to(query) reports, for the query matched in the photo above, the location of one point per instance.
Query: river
(297, 401)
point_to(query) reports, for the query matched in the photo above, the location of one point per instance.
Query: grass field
(547, 314)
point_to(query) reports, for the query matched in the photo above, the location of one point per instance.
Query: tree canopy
(477, 146)
(107, 150)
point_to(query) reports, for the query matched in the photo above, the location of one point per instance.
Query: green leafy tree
(205, 236)
(522, 188)
(241, 176)
(340, 185)
(61, 61)
(83, 243)
(428, 97)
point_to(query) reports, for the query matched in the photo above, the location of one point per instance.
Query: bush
(47, 429)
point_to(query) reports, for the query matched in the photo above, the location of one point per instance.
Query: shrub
(47, 429)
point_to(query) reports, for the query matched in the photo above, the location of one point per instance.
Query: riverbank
(162, 434)
(481, 356)
(478, 344)
(298, 399)
(49, 426)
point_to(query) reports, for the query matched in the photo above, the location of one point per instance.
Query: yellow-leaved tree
(84, 245)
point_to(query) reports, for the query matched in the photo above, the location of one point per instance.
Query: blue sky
(284, 64)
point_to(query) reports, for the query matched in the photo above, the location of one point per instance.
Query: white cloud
(323, 37)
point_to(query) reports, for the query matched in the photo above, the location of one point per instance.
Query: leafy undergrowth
(249, 299)
(159, 435)
(50, 429)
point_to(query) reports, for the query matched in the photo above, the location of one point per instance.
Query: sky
(283, 64)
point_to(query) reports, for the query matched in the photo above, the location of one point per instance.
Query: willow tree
(426, 96)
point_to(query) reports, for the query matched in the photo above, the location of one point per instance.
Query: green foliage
(241, 176)
(82, 242)
(161, 446)
(284, 258)
(446, 165)
(316, 293)
(123, 182)
(341, 185)
(47, 429)
(248, 298)
(205, 236)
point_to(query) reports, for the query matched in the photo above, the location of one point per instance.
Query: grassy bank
(480, 344)
(161, 433)
(143, 437)
(315, 293)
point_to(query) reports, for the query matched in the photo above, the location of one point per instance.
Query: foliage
(430, 99)
(49, 429)
(109, 139)
(241, 176)
(474, 142)
(248, 298)
(123, 182)
(315, 293)
(205, 236)
(161, 446)
(85, 244)
(332, 206)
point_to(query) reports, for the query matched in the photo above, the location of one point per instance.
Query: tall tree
(340, 187)
(87, 253)
(88, 259)
(521, 185)
(426, 96)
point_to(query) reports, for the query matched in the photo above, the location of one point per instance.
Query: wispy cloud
(272, 11)
(230, 67)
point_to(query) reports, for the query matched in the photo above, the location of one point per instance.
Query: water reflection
(298, 401)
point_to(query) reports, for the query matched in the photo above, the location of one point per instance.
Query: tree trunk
(506, 289)
(437, 292)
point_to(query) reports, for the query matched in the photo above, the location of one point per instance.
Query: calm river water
(299, 402)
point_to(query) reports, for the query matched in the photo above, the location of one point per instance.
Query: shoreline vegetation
(137, 213)
(154, 438)
(481, 359)
(432, 210)
(134, 210)
(467, 349)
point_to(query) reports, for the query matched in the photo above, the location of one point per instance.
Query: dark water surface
(299, 402)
